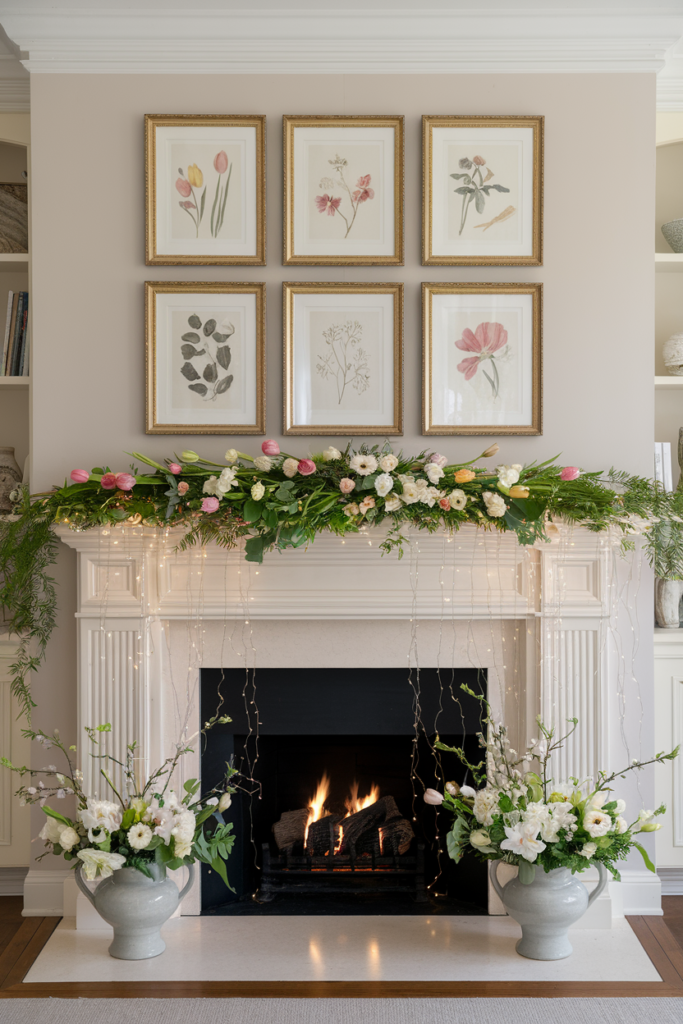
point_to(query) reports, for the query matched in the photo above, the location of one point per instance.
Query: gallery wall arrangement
(343, 206)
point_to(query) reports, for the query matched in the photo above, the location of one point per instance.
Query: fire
(353, 804)
(316, 807)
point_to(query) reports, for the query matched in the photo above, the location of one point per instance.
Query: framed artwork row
(343, 197)
(343, 358)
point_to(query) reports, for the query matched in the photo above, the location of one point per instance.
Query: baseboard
(672, 881)
(638, 894)
(44, 893)
(12, 881)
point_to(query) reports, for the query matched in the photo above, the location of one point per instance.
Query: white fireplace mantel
(150, 617)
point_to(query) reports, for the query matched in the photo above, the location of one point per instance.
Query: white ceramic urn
(545, 908)
(136, 907)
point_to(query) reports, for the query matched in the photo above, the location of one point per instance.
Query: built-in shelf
(665, 383)
(669, 262)
(15, 382)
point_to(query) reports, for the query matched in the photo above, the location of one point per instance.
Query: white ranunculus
(434, 472)
(257, 491)
(263, 463)
(383, 484)
(331, 454)
(457, 498)
(388, 463)
(507, 475)
(479, 838)
(467, 793)
(588, 850)
(140, 836)
(411, 493)
(210, 485)
(495, 504)
(485, 805)
(522, 840)
(596, 823)
(393, 503)
(68, 838)
(226, 481)
(101, 814)
(621, 825)
(363, 464)
(51, 830)
(97, 862)
(232, 455)
(224, 802)
(289, 467)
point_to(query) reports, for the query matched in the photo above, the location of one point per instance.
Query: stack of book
(15, 348)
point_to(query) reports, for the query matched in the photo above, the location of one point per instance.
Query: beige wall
(88, 270)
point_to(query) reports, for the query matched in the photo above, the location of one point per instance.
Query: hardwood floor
(21, 940)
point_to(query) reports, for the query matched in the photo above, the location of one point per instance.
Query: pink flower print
(488, 339)
(570, 473)
(187, 205)
(220, 162)
(326, 204)
(363, 191)
(210, 505)
(183, 187)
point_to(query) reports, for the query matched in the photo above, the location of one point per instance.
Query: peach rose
(183, 488)
(346, 485)
(463, 476)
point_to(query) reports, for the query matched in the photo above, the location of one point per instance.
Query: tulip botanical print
(482, 359)
(205, 190)
(205, 358)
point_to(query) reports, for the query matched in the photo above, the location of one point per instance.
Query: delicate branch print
(194, 180)
(345, 362)
(216, 353)
(331, 205)
(477, 190)
(487, 340)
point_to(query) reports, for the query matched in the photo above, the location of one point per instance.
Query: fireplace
(330, 818)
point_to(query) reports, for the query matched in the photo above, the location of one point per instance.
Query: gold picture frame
(319, 395)
(190, 362)
(174, 187)
(324, 155)
(457, 397)
(509, 202)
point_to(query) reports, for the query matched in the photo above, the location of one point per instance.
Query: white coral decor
(495, 504)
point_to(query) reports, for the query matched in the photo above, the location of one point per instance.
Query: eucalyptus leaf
(223, 385)
(188, 371)
(223, 355)
(189, 351)
(210, 373)
(191, 337)
(200, 389)
(209, 327)
(251, 512)
(194, 321)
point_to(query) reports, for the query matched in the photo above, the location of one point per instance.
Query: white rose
(434, 472)
(621, 825)
(51, 830)
(479, 838)
(331, 453)
(588, 850)
(139, 836)
(257, 491)
(393, 503)
(289, 467)
(411, 493)
(457, 498)
(406, 478)
(507, 475)
(224, 802)
(232, 455)
(388, 463)
(263, 463)
(383, 484)
(68, 838)
(210, 485)
(495, 504)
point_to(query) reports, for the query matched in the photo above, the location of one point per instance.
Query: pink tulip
(570, 473)
(183, 488)
(108, 481)
(125, 481)
(210, 505)
(183, 187)
(433, 797)
(270, 448)
(80, 476)
(346, 485)
(220, 162)
(440, 460)
(306, 467)
(174, 468)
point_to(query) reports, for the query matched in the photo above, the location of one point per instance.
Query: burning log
(291, 828)
(395, 836)
(323, 835)
(356, 824)
(369, 843)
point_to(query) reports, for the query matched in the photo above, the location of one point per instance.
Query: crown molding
(14, 96)
(363, 41)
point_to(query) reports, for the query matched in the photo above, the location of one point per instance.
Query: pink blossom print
(488, 339)
(326, 204)
(361, 194)
(363, 190)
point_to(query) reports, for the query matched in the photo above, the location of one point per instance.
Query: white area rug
(341, 1011)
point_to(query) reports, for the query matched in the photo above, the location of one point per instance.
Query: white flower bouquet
(151, 823)
(526, 818)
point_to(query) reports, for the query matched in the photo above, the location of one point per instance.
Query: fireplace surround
(552, 626)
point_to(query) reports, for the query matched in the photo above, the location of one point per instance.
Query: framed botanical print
(482, 191)
(343, 191)
(205, 190)
(206, 364)
(482, 358)
(343, 356)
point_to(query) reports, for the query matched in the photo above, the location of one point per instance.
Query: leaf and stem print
(475, 188)
(186, 186)
(331, 204)
(485, 342)
(345, 362)
(214, 379)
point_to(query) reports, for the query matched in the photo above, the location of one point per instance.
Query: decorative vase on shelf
(673, 355)
(667, 603)
(546, 908)
(136, 907)
(10, 476)
(673, 232)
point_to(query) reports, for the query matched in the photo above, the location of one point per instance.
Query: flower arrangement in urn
(526, 818)
(132, 840)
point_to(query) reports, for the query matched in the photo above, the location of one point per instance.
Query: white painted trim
(15, 95)
(12, 881)
(638, 893)
(672, 881)
(44, 893)
(195, 41)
